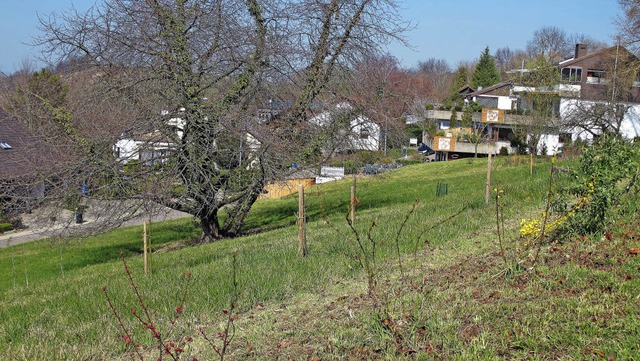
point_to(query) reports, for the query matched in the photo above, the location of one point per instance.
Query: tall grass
(67, 317)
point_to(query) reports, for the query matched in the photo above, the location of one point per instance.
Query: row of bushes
(359, 160)
(448, 105)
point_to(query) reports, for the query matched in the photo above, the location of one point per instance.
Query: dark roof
(600, 52)
(465, 89)
(28, 156)
(490, 88)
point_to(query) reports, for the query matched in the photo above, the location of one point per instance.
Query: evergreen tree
(486, 73)
(460, 79)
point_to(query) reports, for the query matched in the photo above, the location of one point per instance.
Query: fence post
(352, 212)
(144, 245)
(531, 164)
(487, 194)
(302, 236)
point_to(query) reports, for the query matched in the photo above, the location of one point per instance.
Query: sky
(453, 30)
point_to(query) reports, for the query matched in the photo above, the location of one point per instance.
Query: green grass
(460, 304)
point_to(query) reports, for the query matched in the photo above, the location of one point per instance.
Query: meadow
(442, 288)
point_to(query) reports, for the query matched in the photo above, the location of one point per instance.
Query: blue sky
(454, 30)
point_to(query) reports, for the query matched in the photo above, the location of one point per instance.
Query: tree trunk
(233, 224)
(210, 227)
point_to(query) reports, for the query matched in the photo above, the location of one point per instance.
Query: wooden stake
(531, 164)
(487, 194)
(302, 236)
(352, 214)
(149, 239)
(144, 245)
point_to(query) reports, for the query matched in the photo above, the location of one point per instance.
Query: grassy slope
(455, 303)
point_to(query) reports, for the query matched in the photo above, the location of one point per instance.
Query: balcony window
(572, 75)
(596, 76)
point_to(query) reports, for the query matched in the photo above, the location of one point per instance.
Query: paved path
(37, 229)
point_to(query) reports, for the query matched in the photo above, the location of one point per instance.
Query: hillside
(437, 286)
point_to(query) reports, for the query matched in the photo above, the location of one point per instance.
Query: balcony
(596, 80)
(567, 88)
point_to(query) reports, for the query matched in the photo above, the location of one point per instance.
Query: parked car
(429, 153)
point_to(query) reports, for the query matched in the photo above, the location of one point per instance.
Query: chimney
(581, 50)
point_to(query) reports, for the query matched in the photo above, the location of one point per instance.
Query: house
(586, 75)
(498, 96)
(151, 147)
(588, 82)
(27, 162)
(351, 130)
(597, 79)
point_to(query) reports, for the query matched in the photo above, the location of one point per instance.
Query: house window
(5, 146)
(572, 75)
(595, 76)
(364, 134)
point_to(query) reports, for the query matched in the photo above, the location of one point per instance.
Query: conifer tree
(460, 79)
(486, 73)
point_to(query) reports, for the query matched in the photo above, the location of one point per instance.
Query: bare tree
(592, 44)
(539, 102)
(507, 59)
(385, 93)
(439, 73)
(629, 24)
(477, 131)
(208, 65)
(550, 42)
(604, 107)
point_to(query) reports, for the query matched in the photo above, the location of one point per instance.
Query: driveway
(49, 222)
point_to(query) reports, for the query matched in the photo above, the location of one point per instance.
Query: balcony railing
(596, 80)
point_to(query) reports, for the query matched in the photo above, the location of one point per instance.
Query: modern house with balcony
(590, 76)
(588, 82)
(600, 80)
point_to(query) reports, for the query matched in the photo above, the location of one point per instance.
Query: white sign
(444, 143)
(335, 172)
(328, 174)
(492, 115)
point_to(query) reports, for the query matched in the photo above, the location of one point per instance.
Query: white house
(149, 148)
(498, 96)
(360, 133)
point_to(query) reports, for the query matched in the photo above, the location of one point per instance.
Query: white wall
(505, 103)
(630, 127)
(631, 124)
(127, 150)
(372, 142)
(551, 141)
(357, 125)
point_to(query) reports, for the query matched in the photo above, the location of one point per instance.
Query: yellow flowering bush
(532, 228)
(529, 228)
